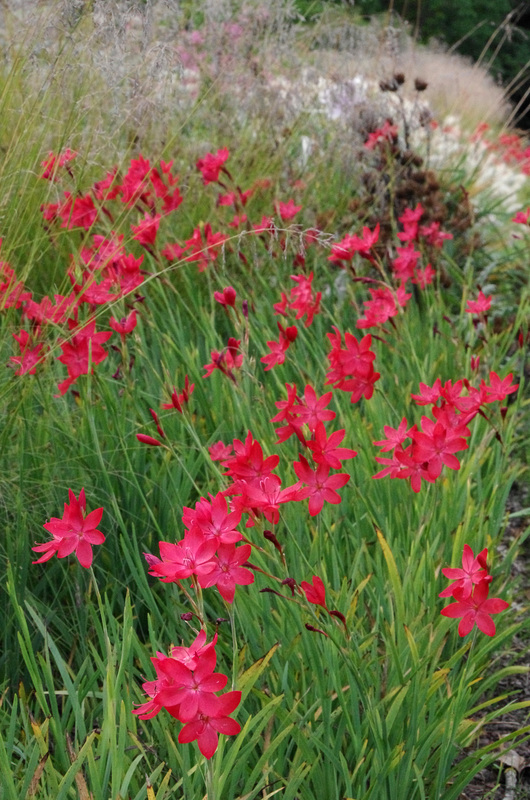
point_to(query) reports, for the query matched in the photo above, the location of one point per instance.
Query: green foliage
(392, 706)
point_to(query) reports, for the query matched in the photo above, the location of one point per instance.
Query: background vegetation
(400, 702)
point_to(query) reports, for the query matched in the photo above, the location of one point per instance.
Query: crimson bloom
(186, 686)
(325, 450)
(320, 485)
(73, 532)
(473, 571)
(211, 165)
(228, 570)
(29, 356)
(227, 297)
(287, 210)
(315, 591)
(179, 399)
(125, 325)
(206, 727)
(475, 609)
(146, 230)
(499, 388)
(480, 305)
(52, 162)
(82, 351)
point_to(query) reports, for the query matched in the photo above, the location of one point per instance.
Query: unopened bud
(315, 630)
(291, 583)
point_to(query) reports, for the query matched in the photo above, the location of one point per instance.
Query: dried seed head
(420, 85)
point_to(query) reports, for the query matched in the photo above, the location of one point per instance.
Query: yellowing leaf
(393, 574)
(150, 790)
(247, 680)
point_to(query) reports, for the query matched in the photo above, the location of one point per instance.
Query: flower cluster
(309, 413)
(434, 444)
(470, 588)
(351, 367)
(278, 349)
(187, 687)
(208, 552)
(302, 300)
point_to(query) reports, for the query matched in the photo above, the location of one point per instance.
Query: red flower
(52, 163)
(478, 306)
(29, 356)
(193, 555)
(312, 409)
(207, 726)
(473, 571)
(211, 165)
(325, 450)
(320, 485)
(81, 351)
(475, 609)
(78, 213)
(227, 297)
(395, 436)
(287, 210)
(437, 446)
(219, 451)
(74, 532)
(499, 388)
(228, 571)
(146, 230)
(179, 399)
(315, 591)
(225, 361)
(125, 325)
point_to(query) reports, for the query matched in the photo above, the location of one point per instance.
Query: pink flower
(521, 217)
(478, 306)
(219, 451)
(206, 727)
(225, 361)
(211, 165)
(77, 213)
(52, 163)
(125, 325)
(473, 571)
(73, 532)
(320, 485)
(395, 436)
(287, 210)
(387, 133)
(82, 351)
(146, 230)
(499, 388)
(228, 571)
(29, 356)
(325, 450)
(475, 609)
(227, 297)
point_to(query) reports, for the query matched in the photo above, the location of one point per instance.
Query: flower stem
(210, 781)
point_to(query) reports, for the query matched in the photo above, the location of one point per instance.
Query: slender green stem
(211, 789)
